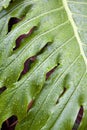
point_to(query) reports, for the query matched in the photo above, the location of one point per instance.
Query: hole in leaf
(10, 123)
(30, 105)
(21, 37)
(27, 65)
(30, 61)
(50, 72)
(64, 90)
(44, 48)
(12, 21)
(78, 119)
(2, 89)
(11, 1)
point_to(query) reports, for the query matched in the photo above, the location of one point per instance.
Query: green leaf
(15, 10)
(55, 32)
(4, 3)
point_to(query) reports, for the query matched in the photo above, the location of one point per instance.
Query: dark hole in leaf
(30, 61)
(78, 119)
(30, 105)
(2, 89)
(10, 123)
(12, 21)
(44, 48)
(27, 65)
(11, 1)
(64, 90)
(50, 72)
(21, 37)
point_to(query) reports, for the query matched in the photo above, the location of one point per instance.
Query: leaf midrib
(69, 14)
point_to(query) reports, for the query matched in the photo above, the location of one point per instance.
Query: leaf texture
(4, 4)
(54, 32)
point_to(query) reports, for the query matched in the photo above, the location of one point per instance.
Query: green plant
(50, 38)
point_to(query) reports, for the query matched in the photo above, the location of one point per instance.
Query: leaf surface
(4, 3)
(54, 32)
